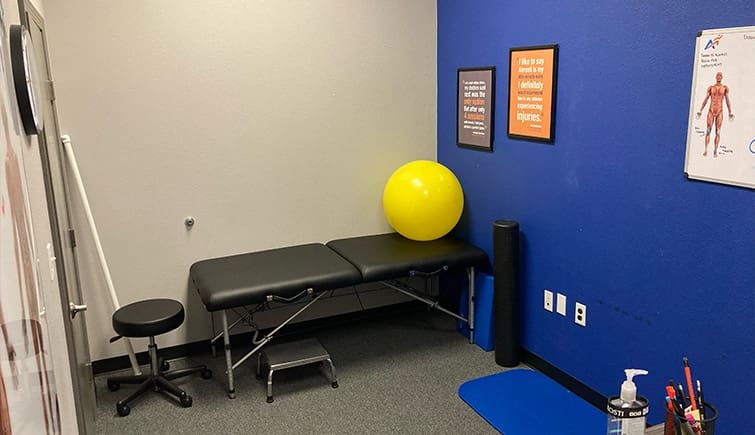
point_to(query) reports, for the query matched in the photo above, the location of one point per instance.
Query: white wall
(271, 122)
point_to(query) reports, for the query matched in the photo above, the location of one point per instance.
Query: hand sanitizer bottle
(626, 412)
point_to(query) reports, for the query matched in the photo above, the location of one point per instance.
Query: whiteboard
(721, 127)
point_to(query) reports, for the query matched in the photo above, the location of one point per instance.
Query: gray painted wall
(270, 122)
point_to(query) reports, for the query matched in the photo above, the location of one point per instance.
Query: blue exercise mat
(526, 402)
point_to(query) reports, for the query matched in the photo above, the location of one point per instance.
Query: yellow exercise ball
(423, 200)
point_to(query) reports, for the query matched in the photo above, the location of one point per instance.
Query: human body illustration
(716, 93)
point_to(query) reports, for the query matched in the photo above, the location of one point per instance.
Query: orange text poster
(532, 88)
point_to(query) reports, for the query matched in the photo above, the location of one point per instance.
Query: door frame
(64, 241)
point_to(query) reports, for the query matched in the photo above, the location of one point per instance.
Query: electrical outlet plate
(561, 304)
(548, 300)
(580, 314)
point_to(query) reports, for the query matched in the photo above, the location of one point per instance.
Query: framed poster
(532, 92)
(721, 123)
(475, 90)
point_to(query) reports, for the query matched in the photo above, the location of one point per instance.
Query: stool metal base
(158, 380)
(293, 354)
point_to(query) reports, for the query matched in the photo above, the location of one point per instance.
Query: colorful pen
(669, 426)
(693, 424)
(702, 404)
(681, 397)
(670, 392)
(688, 375)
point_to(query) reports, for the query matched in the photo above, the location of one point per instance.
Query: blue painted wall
(666, 266)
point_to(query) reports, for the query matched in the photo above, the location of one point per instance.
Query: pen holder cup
(708, 423)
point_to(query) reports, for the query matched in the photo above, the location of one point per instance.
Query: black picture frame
(475, 107)
(532, 93)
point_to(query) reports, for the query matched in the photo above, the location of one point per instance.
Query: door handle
(74, 309)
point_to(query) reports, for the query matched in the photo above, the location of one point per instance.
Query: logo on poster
(713, 43)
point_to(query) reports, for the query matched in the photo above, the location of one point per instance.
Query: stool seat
(148, 318)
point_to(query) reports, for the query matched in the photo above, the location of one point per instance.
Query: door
(36, 393)
(63, 236)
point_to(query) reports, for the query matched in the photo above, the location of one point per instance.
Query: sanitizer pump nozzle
(626, 412)
(628, 388)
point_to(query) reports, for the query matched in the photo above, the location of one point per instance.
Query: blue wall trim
(665, 265)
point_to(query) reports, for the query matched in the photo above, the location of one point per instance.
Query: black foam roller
(505, 292)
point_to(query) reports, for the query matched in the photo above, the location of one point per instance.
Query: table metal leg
(228, 360)
(212, 341)
(333, 378)
(470, 320)
(270, 385)
(407, 290)
(259, 365)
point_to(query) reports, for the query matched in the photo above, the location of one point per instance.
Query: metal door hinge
(72, 238)
(50, 90)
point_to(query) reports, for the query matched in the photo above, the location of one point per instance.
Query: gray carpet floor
(396, 374)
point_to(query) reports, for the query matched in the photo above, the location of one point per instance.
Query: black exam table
(291, 273)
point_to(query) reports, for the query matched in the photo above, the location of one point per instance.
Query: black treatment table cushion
(247, 279)
(389, 256)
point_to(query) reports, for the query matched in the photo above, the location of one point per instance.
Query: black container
(708, 423)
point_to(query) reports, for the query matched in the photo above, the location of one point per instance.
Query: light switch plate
(561, 304)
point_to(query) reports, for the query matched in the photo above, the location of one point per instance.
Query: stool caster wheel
(186, 401)
(334, 384)
(206, 374)
(270, 399)
(123, 410)
(164, 366)
(113, 386)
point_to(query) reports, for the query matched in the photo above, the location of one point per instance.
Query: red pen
(671, 393)
(669, 425)
(688, 375)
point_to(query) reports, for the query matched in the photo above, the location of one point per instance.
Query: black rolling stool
(149, 318)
